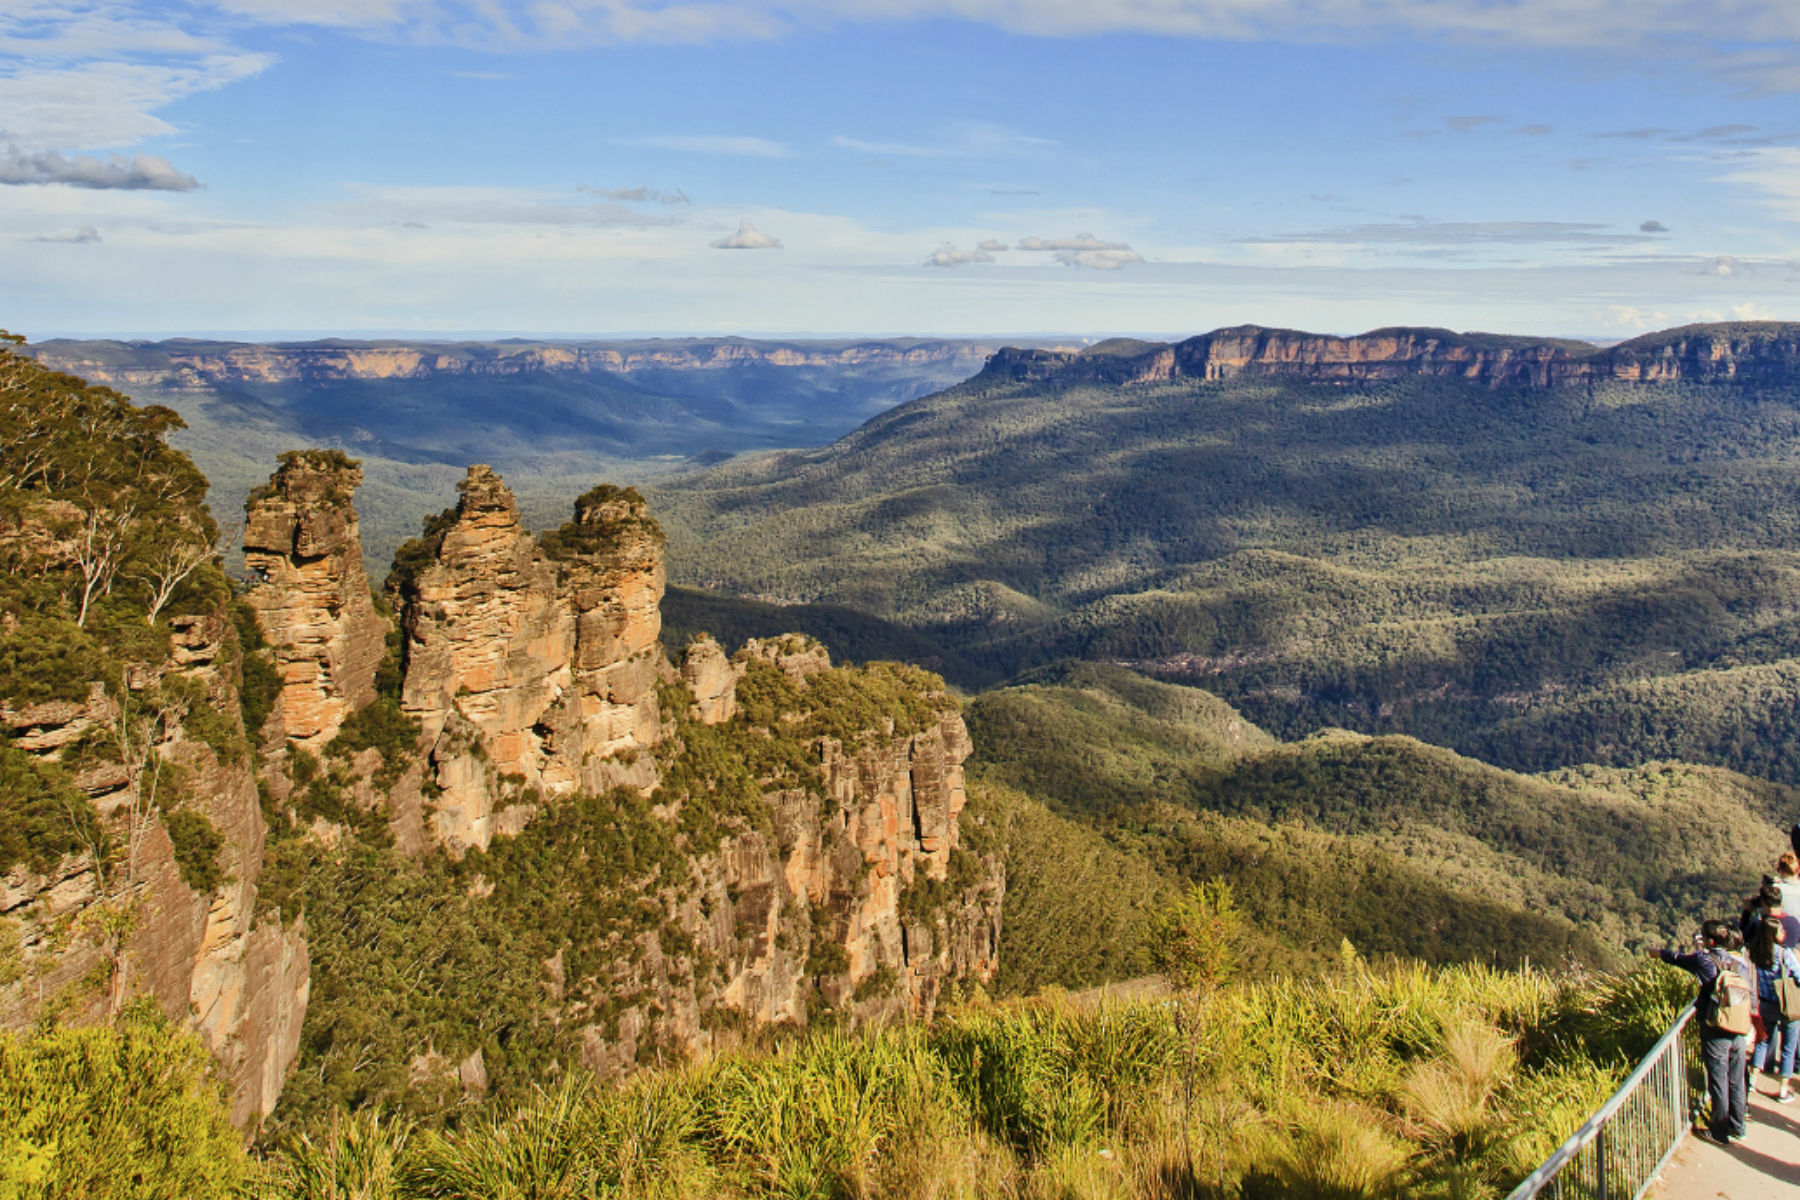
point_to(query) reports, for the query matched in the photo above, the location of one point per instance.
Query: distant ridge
(191, 364)
(1762, 351)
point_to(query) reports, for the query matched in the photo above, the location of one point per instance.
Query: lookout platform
(1764, 1166)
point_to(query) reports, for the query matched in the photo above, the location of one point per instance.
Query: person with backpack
(1777, 1003)
(1725, 1012)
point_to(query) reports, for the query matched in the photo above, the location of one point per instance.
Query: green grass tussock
(1366, 1083)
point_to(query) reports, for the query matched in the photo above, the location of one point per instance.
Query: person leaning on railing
(1724, 1027)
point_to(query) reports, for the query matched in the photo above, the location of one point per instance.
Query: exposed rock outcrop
(852, 899)
(529, 668)
(1762, 351)
(532, 666)
(312, 598)
(188, 365)
(208, 959)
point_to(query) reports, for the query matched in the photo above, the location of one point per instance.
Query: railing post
(1600, 1172)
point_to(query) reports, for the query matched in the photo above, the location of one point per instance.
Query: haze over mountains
(552, 416)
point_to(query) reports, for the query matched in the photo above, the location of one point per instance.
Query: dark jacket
(1700, 963)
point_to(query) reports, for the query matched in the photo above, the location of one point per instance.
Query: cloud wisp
(1084, 250)
(1420, 231)
(949, 255)
(638, 195)
(1751, 41)
(723, 144)
(747, 237)
(140, 172)
(87, 235)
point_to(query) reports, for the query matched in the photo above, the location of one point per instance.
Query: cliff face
(312, 598)
(523, 667)
(1761, 351)
(201, 366)
(861, 897)
(205, 957)
(533, 667)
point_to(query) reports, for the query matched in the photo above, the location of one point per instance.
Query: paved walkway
(1764, 1166)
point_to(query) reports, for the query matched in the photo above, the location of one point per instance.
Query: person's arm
(1692, 961)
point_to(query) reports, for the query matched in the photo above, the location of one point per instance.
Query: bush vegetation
(1536, 576)
(1364, 1082)
(1401, 847)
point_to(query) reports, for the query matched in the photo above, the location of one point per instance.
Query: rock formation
(532, 665)
(192, 366)
(835, 898)
(526, 667)
(239, 978)
(1762, 351)
(312, 597)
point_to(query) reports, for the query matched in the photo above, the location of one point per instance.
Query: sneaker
(1707, 1135)
(1783, 1096)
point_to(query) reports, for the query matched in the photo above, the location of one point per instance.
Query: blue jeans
(1782, 1034)
(1724, 1055)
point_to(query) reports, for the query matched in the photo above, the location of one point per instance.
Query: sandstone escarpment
(195, 366)
(96, 931)
(531, 669)
(860, 897)
(1753, 351)
(311, 596)
(784, 837)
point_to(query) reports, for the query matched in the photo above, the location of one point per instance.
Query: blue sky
(968, 167)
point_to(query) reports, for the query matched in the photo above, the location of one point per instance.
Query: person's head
(1788, 865)
(1765, 944)
(1716, 933)
(1770, 898)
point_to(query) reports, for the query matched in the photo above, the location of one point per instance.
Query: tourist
(1724, 1012)
(1787, 878)
(1775, 961)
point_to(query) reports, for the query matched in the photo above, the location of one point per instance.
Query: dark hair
(1770, 896)
(1763, 944)
(1718, 933)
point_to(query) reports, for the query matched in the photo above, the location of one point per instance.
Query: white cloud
(1422, 231)
(948, 255)
(140, 172)
(1099, 260)
(964, 139)
(490, 206)
(1081, 242)
(1748, 40)
(1750, 310)
(991, 245)
(736, 147)
(638, 195)
(94, 74)
(86, 235)
(747, 237)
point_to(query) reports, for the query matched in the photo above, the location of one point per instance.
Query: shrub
(132, 1112)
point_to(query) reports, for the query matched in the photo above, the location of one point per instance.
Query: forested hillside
(1400, 847)
(1539, 575)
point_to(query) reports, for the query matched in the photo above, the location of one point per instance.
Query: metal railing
(1617, 1152)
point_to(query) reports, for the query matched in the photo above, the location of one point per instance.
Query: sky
(1587, 168)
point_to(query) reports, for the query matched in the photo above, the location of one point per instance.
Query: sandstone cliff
(311, 596)
(528, 668)
(184, 365)
(833, 875)
(859, 897)
(94, 934)
(1761, 351)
